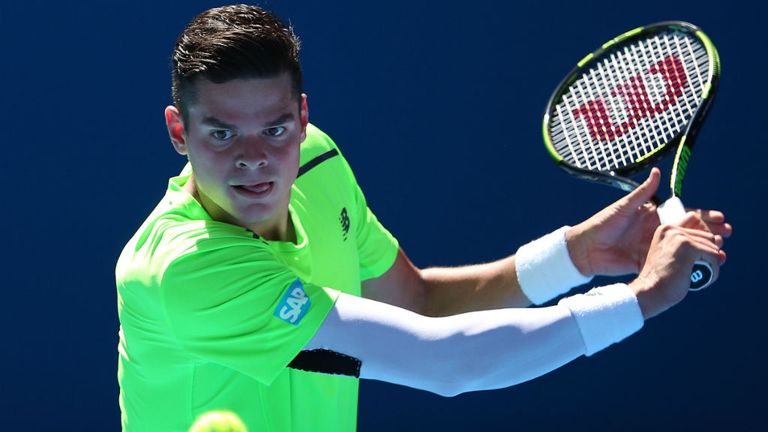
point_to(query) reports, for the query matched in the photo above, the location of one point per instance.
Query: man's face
(242, 138)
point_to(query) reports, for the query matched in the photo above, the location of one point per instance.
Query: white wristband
(545, 269)
(605, 315)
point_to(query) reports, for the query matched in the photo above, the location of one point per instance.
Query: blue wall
(438, 109)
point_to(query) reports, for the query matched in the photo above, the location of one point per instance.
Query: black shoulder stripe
(326, 361)
(317, 161)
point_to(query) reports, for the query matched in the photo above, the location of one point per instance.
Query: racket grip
(672, 211)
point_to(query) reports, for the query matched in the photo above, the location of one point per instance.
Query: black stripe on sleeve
(317, 161)
(326, 361)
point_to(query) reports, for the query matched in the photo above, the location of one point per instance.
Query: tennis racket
(639, 97)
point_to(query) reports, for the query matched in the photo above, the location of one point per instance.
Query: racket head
(632, 101)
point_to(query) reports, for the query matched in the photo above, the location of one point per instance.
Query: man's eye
(222, 134)
(274, 131)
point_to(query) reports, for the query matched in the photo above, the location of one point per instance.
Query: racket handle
(672, 211)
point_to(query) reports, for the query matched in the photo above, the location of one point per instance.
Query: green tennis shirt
(211, 314)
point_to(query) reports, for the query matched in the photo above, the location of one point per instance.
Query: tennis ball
(218, 421)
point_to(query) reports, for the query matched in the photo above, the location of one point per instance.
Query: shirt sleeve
(377, 247)
(241, 308)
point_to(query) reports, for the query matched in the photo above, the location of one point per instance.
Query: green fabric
(199, 306)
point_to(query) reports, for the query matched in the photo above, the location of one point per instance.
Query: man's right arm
(467, 352)
(498, 348)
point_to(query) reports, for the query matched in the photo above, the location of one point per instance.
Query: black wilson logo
(344, 219)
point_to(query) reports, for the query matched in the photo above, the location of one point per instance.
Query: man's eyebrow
(280, 120)
(213, 121)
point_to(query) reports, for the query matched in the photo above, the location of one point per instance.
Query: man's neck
(283, 231)
(280, 230)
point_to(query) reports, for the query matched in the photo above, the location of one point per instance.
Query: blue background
(438, 108)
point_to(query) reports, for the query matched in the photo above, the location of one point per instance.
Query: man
(263, 285)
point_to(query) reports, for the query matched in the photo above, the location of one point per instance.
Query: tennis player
(263, 285)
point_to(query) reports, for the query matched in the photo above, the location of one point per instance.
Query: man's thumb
(646, 190)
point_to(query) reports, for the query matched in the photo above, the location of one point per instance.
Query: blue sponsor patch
(294, 304)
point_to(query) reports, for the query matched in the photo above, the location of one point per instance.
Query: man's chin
(258, 215)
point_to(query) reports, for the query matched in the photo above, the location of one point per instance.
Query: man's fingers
(724, 230)
(723, 256)
(704, 242)
(715, 221)
(705, 245)
(707, 215)
(712, 238)
(702, 248)
(715, 216)
(693, 220)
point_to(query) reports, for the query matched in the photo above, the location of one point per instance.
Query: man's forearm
(540, 271)
(455, 290)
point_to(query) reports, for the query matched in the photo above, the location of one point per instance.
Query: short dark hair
(231, 42)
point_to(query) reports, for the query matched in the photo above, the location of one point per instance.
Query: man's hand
(616, 240)
(665, 276)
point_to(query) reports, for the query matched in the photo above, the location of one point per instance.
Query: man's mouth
(257, 190)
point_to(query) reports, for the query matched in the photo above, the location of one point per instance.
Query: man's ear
(304, 116)
(176, 130)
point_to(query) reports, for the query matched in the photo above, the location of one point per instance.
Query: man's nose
(252, 153)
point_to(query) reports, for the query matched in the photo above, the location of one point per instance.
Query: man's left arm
(612, 242)
(444, 291)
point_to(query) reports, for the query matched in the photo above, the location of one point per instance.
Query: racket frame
(671, 209)
(683, 141)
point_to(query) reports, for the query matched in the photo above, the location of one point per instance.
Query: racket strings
(630, 103)
(617, 70)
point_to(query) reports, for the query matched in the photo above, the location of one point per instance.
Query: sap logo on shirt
(294, 304)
